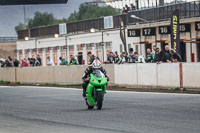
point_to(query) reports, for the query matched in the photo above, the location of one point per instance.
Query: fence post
(181, 74)
(15, 75)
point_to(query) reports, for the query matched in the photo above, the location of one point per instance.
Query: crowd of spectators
(133, 57)
(24, 63)
(155, 56)
(9, 62)
(127, 9)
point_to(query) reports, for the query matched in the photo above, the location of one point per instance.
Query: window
(108, 22)
(148, 37)
(129, 46)
(98, 47)
(89, 46)
(79, 47)
(62, 28)
(63, 49)
(121, 48)
(136, 48)
(108, 45)
(55, 49)
(164, 35)
(71, 47)
(198, 33)
(183, 34)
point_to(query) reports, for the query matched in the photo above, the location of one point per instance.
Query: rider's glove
(87, 79)
(107, 78)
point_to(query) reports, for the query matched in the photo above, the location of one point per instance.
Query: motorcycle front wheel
(89, 107)
(99, 100)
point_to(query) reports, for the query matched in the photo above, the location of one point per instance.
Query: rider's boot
(84, 89)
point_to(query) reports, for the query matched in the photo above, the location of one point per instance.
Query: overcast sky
(10, 16)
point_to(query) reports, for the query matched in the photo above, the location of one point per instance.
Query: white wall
(191, 75)
(155, 75)
(126, 74)
(147, 74)
(168, 74)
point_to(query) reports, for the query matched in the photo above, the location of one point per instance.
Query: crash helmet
(96, 65)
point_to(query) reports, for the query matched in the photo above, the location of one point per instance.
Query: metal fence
(8, 39)
(187, 10)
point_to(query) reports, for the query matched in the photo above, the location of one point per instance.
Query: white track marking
(110, 91)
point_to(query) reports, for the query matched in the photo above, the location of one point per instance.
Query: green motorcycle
(96, 89)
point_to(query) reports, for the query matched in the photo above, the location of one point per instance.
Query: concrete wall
(191, 75)
(36, 75)
(168, 75)
(155, 75)
(126, 74)
(147, 74)
(69, 74)
(7, 74)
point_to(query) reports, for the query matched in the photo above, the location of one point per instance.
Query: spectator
(90, 59)
(111, 58)
(25, 63)
(136, 56)
(165, 55)
(80, 58)
(16, 63)
(11, 61)
(175, 56)
(73, 61)
(127, 8)
(157, 56)
(133, 8)
(154, 50)
(63, 61)
(124, 11)
(117, 58)
(50, 62)
(131, 57)
(7, 63)
(2, 63)
(31, 61)
(149, 57)
(38, 61)
(137, 4)
(124, 58)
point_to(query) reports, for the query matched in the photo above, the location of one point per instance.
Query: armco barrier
(155, 75)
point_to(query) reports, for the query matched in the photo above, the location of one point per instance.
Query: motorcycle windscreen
(98, 74)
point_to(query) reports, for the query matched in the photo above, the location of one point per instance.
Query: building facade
(76, 38)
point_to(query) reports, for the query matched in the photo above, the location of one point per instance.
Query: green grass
(4, 82)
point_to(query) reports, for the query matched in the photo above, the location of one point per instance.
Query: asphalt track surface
(59, 110)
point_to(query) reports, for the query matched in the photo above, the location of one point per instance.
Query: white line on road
(110, 91)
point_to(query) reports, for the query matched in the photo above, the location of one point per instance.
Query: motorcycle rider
(96, 65)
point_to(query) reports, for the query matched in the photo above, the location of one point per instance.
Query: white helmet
(96, 64)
